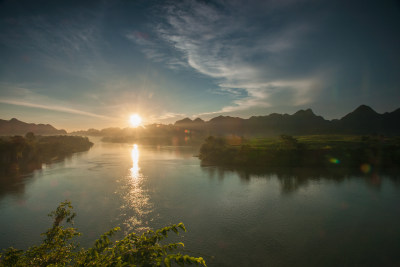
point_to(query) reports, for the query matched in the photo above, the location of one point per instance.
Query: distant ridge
(363, 120)
(17, 127)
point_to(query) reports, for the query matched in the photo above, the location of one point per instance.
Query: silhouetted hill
(198, 120)
(301, 122)
(363, 120)
(89, 132)
(185, 121)
(196, 125)
(226, 125)
(17, 127)
(391, 121)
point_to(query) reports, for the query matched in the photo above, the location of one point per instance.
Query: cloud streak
(167, 116)
(53, 108)
(68, 46)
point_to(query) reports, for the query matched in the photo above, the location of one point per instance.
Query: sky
(90, 64)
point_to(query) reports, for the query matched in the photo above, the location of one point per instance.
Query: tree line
(288, 151)
(19, 154)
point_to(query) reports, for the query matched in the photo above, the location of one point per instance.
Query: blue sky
(90, 64)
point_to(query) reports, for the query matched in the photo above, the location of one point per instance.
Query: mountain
(226, 125)
(391, 121)
(363, 120)
(301, 122)
(16, 127)
(196, 124)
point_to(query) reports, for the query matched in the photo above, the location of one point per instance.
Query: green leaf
(57, 249)
(167, 262)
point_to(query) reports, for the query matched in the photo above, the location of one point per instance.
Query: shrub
(59, 249)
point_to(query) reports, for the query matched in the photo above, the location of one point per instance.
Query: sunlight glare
(136, 205)
(135, 120)
(135, 162)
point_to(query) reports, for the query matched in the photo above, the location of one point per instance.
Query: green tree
(59, 249)
(288, 142)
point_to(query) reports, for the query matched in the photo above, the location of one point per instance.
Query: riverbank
(19, 155)
(318, 151)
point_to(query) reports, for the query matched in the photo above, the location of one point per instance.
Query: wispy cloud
(167, 116)
(53, 108)
(68, 46)
(26, 95)
(156, 51)
(222, 43)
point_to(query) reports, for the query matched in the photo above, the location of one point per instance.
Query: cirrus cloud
(224, 44)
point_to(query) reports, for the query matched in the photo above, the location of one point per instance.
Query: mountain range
(363, 120)
(17, 127)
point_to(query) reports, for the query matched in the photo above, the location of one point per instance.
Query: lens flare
(334, 160)
(365, 168)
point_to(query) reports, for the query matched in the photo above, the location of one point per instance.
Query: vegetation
(24, 154)
(59, 249)
(305, 151)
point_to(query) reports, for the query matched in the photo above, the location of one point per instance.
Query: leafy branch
(58, 248)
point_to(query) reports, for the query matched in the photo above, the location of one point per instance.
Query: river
(233, 219)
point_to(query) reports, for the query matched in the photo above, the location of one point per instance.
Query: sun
(135, 120)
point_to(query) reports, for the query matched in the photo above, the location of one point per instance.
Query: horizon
(204, 120)
(97, 63)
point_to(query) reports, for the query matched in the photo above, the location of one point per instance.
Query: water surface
(233, 219)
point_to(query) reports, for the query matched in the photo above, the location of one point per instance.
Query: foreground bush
(59, 249)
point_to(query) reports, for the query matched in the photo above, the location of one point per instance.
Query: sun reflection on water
(135, 162)
(136, 205)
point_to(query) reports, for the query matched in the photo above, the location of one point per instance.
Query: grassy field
(323, 141)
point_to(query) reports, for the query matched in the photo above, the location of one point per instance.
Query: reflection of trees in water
(20, 156)
(12, 184)
(291, 179)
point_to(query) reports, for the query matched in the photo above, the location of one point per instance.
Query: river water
(233, 219)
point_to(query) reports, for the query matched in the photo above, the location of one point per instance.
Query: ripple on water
(136, 207)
